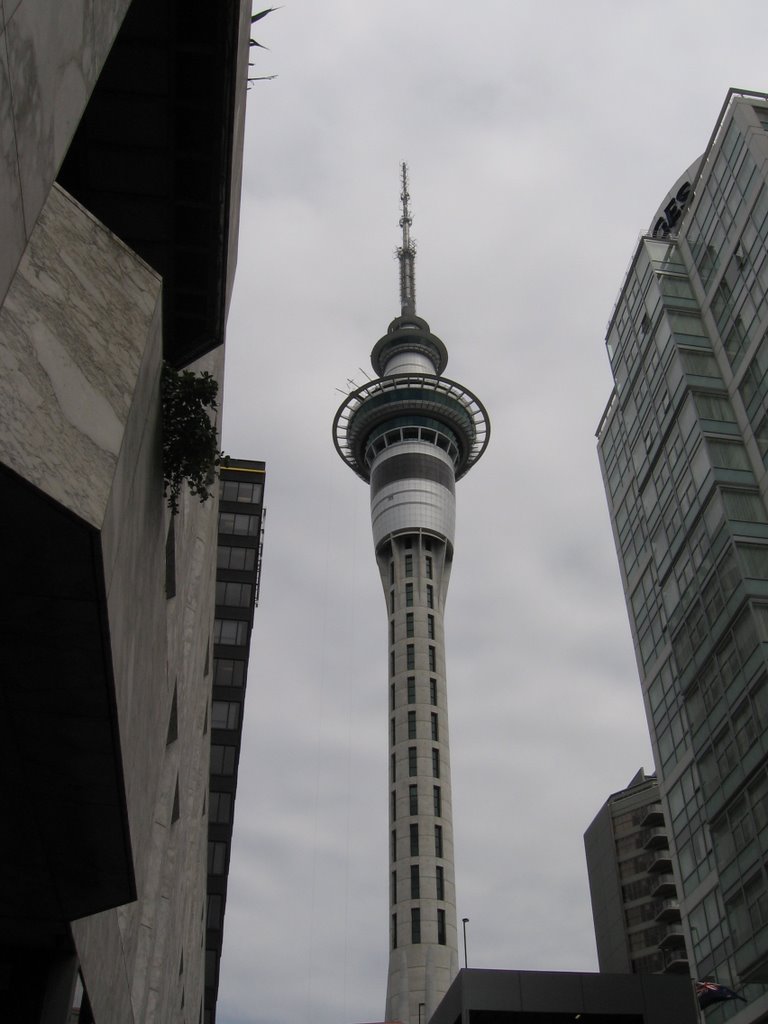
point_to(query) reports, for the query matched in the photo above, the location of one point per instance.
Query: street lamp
(465, 922)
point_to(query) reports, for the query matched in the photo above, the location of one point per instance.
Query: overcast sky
(541, 139)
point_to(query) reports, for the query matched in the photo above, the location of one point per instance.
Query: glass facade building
(683, 446)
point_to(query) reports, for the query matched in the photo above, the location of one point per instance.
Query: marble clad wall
(51, 54)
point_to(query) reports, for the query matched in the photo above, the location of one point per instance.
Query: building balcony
(661, 864)
(654, 816)
(675, 960)
(668, 910)
(665, 886)
(673, 937)
(656, 839)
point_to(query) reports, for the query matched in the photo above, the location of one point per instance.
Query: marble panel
(73, 331)
(11, 215)
(55, 54)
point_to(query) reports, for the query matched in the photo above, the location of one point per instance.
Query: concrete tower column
(411, 434)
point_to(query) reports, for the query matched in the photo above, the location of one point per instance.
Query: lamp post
(464, 923)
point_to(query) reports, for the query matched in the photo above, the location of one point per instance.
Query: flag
(709, 992)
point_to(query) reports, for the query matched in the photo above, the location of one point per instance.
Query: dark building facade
(632, 885)
(121, 125)
(683, 446)
(238, 576)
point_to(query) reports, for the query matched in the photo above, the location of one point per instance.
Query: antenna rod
(406, 253)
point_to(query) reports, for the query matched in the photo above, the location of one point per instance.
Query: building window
(437, 801)
(432, 661)
(433, 692)
(435, 763)
(393, 731)
(411, 761)
(413, 799)
(393, 803)
(392, 631)
(410, 656)
(222, 759)
(217, 858)
(409, 565)
(415, 925)
(414, 840)
(431, 627)
(394, 931)
(438, 840)
(409, 595)
(236, 595)
(220, 810)
(392, 696)
(435, 728)
(240, 559)
(393, 888)
(428, 566)
(427, 544)
(411, 689)
(439, 882)
(213, 917)
(411, 725)
(230, 631)
(225, 714)
(415, 881)
(408, 542)
(430, 596)
(392, 768)
(391, 663)
(441, 927)
(228, 672)
(409, 624)
(238, 524)
(394, 844)
(237, 490)
(392, 600)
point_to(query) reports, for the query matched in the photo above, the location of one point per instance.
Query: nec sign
(673, 211)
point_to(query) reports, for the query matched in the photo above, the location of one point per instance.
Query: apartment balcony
(665, 886)
(673, 937)
(654, 816)
(675, 960)
(668, 910)
(661, 864)
(656, 839)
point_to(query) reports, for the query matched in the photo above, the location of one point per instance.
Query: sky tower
(411, 433)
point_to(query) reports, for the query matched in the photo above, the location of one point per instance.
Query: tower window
(392, 696)
(414, 840)
(394, 844)
(410, 657)
(439, 882)
(427, 544)
(435, 727)
(391, 600)
(408, 624)
(409, 595)
(393, 888)
(411, 725)
(415, 886)
(428, 566)
(433, 692)
(392, 631)
(413, 799)
(441, 927)
(435, 764)
(411, 761)
(393, 801)
(392, 768)
(393, 731)
(432, 660)
(394, 931)
(391, 663)
(431, 627)
(411, 689)
(409, 565)
(438, 803)
(430, 596)
(438, 840)
(415, 925)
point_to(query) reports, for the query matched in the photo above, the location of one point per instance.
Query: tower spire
(406, 253)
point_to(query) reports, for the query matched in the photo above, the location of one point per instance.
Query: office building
(632, 886)
(411, 433)
(554, 997)
(683, 445)
(238, 577)
(121, 123)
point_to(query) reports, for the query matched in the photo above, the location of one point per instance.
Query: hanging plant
(190, 443)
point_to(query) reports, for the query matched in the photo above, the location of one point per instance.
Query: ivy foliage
(190, 443)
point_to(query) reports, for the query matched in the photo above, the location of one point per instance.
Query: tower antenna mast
(406, 253)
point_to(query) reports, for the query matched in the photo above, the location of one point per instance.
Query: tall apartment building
(238, 577)
(683, 447)
(121, 123)
(635, 909)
